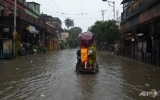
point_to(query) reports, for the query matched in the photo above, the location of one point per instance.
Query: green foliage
(40, 48)
(72, 40)
(74, 32)
(62, 45)
(69, 23)
(107, 31)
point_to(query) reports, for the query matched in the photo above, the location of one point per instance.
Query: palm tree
(69, 23)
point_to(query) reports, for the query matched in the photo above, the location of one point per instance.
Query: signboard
(31, 29)
(5, 29)
(7, 46)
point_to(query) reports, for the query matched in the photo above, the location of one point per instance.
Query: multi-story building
(56, 23)
(64, 35)
(30, 27)
(33, 9)
(140, 24)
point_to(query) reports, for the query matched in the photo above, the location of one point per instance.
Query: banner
(33, 30)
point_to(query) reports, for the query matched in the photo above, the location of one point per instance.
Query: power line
(57, 6)
(74, 17)
(82, 14)
(110, 14)
(86, 13)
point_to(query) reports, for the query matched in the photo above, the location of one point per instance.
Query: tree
(74, 32)
(106, 32)
(72, 40)
(69, 23)
(96, 30)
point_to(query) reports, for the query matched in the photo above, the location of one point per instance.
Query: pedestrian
(92, 55)
(111, 48)
(78, 53)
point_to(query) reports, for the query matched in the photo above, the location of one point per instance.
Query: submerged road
(52, 76)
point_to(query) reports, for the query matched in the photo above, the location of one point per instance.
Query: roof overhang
(125, 1)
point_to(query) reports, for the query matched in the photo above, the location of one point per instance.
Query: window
(1, 8)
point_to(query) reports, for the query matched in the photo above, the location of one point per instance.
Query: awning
(124, 1)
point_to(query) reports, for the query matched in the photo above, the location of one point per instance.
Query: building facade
(140, 24)
(64, 35)
(56, 23)
(33, 9)
(30, 27)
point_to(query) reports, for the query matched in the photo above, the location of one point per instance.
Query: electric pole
(111, 6)
(103, 12)
(14, 32)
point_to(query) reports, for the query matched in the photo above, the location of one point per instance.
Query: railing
(24, 16)
(136, 8)
(50, 29)
(136, 17)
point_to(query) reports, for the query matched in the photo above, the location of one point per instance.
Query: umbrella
(86, 38)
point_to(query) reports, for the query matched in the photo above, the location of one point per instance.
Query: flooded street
(52, 76)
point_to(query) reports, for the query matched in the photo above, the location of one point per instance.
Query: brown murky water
(52, 76)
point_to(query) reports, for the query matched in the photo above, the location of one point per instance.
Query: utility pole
(111, 6)
(102, 11)
(14, 32)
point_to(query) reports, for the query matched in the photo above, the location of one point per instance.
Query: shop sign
(5, 29)
(31, 29)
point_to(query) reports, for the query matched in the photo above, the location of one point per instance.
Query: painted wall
(64, 35)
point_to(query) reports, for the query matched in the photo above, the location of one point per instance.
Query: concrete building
(30, 27)
(33, 9)
(140, 24)
(56, 23)
(64, 35)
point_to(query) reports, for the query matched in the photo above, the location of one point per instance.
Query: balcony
(50, 29)
(136, 8)
(9, 14)
(139, 12)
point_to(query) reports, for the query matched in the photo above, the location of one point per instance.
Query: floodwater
(52, 76)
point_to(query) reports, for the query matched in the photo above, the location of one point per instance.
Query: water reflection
(48, 76)
(139, 77)
(87, 84)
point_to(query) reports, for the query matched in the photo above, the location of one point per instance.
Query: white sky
(73, 9)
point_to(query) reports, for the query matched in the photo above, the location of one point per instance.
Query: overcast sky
(73, 9)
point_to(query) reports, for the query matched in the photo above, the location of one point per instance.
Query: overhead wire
(86, 13)
(82, 13)
(70, 17)
(109, 14)
(66, 15)
(57, 6)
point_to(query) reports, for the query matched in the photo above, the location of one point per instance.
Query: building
(140, 24)
(30, 27)
(56, 23)
(33, 9)
(7, 26)
(64, 35)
